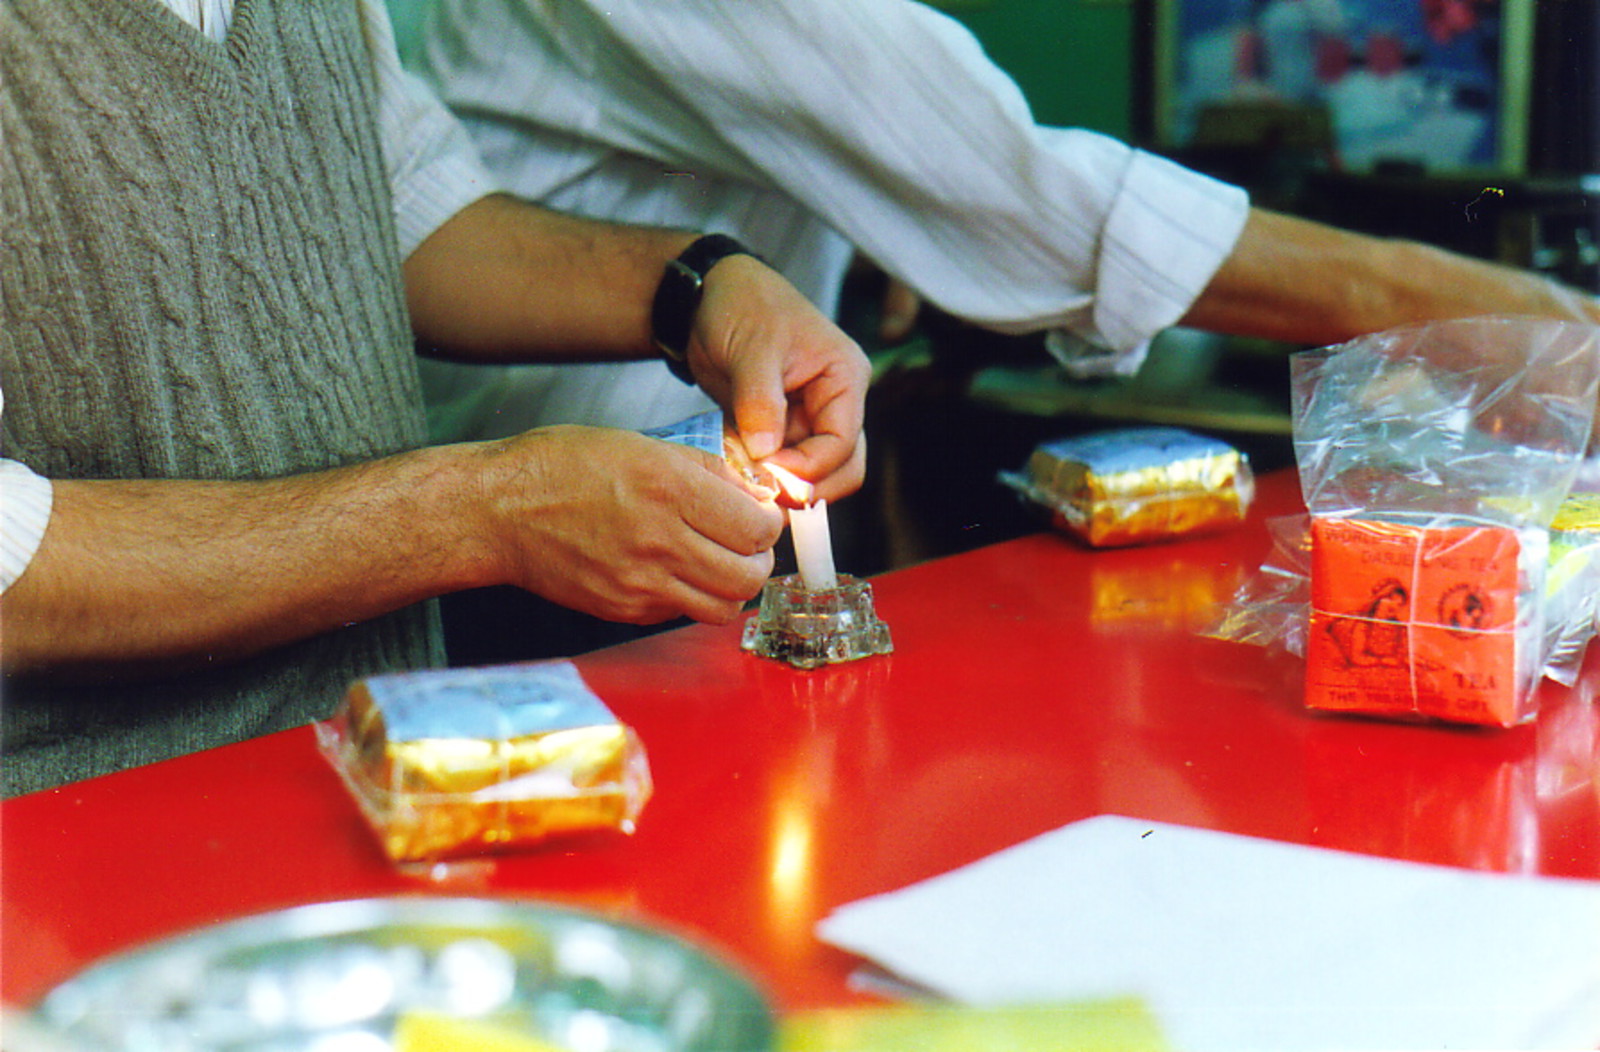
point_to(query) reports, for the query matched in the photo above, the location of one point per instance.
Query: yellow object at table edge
(1112, 1025)
(419, 1031)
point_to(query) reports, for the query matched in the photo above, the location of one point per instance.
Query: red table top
(1034, 683)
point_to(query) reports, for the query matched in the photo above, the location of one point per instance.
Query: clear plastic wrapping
(1572, 585)
(447, 763)
(1430, 580)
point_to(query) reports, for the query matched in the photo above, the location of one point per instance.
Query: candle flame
(796, 488)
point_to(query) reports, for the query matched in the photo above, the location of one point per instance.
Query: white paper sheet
(1238, 943)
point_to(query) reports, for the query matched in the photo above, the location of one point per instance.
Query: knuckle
(720, 612)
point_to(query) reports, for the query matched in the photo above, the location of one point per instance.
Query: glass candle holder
(809, 629)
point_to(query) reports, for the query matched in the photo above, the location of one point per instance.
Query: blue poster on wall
(1418, 81)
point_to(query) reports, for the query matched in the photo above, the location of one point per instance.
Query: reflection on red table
(1034, 683)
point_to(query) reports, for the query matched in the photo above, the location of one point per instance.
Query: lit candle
(808, 528)
(813, 548)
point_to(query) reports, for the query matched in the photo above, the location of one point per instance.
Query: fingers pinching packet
(446, 763)
(1137, 485)
(710, 433)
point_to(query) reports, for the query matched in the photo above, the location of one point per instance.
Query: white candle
(808, 528)
(813, 548)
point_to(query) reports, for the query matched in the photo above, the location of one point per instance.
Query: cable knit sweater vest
(198, 280)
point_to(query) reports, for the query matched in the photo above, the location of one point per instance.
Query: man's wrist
(678, 296)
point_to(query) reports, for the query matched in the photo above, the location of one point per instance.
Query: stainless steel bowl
(337, 977)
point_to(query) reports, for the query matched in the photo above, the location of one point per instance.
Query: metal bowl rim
(351, 917)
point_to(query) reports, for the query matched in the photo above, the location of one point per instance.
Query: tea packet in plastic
(1137, 485)
(1433, 461)
(446, 763)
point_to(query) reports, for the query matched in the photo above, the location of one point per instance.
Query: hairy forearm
(143, 574)
(1299, 281)
(503, 280)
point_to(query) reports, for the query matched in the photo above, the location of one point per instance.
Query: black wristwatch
(678, 297)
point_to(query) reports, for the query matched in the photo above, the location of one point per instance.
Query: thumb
(760, 410)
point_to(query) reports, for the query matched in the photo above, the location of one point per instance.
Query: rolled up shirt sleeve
(1166, 233)
(25, 502)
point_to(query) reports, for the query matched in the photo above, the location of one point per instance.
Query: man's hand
(506, 281)
(141, 577)
(625, 527)
(794, 383)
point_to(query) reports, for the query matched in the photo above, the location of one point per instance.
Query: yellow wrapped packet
(1118, 1025)
(1574, 535)
(419, 1031)
(452, 762)
(1572, 585)
(1137, 485)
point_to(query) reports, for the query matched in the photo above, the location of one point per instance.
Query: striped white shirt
(806, 127)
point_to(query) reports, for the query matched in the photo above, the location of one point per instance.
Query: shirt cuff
(25, 502)
(1169, 230)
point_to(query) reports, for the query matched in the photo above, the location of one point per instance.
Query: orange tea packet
(1426, 622)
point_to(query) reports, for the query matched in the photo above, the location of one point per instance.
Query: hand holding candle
(808, 526)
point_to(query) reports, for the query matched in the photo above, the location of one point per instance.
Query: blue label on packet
(486, 704)
(1134, 449)
(702, 431)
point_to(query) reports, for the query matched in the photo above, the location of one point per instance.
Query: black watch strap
(678, 297)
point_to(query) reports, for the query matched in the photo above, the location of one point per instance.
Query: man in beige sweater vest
(212, 418)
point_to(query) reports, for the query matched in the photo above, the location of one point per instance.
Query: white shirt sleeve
(885, 119)
(25, 500)
(434, 170)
